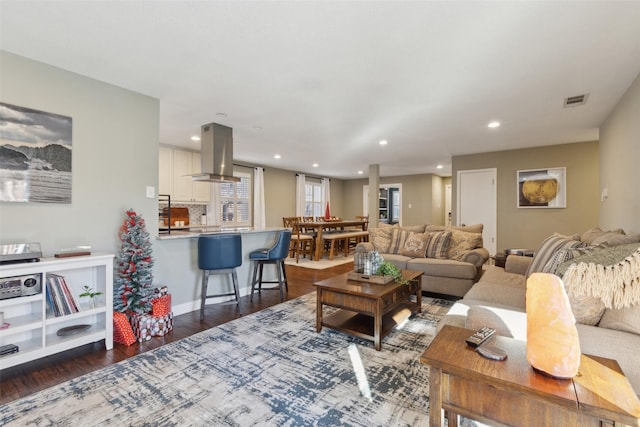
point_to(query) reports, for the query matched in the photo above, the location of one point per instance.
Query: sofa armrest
(364, 247)
(476, 257)
(517, 264)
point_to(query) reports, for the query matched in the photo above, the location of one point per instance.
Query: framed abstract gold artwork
(542, 188)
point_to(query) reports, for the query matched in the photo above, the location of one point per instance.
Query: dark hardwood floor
(28, 378)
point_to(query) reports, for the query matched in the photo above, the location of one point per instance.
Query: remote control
(480, 336)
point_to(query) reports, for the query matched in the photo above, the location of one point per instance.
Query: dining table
(319, 227)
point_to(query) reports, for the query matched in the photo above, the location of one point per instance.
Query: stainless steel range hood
(216, 154)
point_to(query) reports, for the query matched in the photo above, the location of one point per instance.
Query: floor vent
(574, 101)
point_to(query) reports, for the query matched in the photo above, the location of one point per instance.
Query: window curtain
(300, 194)
(259, 220)
(213, 213)
(326, 196)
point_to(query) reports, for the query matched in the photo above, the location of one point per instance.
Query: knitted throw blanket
(612, 275)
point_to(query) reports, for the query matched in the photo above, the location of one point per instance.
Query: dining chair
(273, 255)
(301, 243)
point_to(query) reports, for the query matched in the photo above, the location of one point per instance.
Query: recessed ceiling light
(360, 172)
(195, 138)
(439, 167)
(315, 165)
(493, 124)
(276, 156)
(383, 142)
(257, 127)
(221, 114)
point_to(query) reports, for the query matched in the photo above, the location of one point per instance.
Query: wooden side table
(511, 393)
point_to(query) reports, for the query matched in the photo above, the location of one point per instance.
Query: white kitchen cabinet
(179, 165)
(165, 170)
(33, 326)
(182, 170)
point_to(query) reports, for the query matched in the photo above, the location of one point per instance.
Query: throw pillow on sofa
(463, 242)
(380, 238)
(594, 233)
(415, 245)
(438, 244)
(398, 237)
(548, 248)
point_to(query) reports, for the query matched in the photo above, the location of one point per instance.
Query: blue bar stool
(273, 255)
(219, 254)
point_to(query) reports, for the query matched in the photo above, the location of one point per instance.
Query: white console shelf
(33, 326)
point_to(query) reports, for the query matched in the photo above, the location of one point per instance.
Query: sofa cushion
(463, 242)
(586, 309)
(617, 239)
(548, 248)
(438, 244)
(594, 233)
(499, 287)
(442, 267)
(623, 319)
(414, 228)
(398, 260)
(475, 228)
(381, 238)
(415, 245)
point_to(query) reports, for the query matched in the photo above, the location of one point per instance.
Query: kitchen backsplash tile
(195, 211)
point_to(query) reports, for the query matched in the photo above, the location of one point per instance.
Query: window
(313, 199)
(235, 202)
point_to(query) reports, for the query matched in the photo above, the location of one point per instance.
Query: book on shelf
(61, 299)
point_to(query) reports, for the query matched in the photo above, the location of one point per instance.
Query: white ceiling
(325, 81)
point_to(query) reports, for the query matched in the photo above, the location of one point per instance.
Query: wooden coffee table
(511, 393)
(367, 310)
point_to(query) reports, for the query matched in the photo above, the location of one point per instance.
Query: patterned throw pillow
(380, 238)
(415, 245)
(438, 244)
(548, 248)
(463, 242)
(398, 237)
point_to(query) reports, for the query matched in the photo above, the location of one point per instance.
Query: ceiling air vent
(574, 101)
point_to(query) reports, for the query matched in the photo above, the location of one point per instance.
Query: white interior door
(477, 203)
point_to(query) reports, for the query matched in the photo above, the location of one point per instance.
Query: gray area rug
(268, 368)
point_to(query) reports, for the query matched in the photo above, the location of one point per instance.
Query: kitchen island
(176, 264)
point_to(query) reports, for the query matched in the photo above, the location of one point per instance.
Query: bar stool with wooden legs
(273, 255)
(219, 254)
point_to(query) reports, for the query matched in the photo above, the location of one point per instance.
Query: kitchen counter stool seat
(219, 254)
(273, 255)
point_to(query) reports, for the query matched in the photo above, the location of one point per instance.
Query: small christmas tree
(133, 267)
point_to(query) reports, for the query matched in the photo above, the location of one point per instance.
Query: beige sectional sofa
(450, 258)
(498, 299)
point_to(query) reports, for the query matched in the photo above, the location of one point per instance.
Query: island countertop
(196, 231)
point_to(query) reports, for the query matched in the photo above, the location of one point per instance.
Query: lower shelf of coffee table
(361, 325)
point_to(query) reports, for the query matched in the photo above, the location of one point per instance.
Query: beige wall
(425, 194)
(620, 164)
(280, 195)
(526, 228)
(114, 155)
